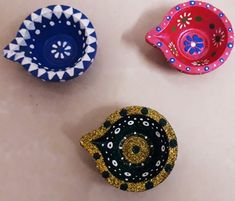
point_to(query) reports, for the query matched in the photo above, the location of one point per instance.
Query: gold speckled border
(86, 142)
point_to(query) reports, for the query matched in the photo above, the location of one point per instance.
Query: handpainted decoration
(56, 43)
(135, 149)
(195, 37)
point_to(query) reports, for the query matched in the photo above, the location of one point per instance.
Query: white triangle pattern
(68, 13)
(20, 41)
(89, 49)
(25, 33)
(10, 54)
(51, 74)
(58, 11)
(14, 47)
(5, 52)
(90, 31)
(41, 71)
(77, 17)
(91, 40)
(86, 58)
(70, 71)
(60, 74)
(30, 25)
(33, 67)
(84, 22)
(19, 55)
(26, 60)
(36, 18)
(79, 65)
(47, 13)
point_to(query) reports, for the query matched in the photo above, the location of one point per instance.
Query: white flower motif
(184, 20)
(201, 62)
(218, 37)
(173, 49)
(60, 50)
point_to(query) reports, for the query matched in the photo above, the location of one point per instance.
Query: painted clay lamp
(135, 149)
(56, 43)
(195, 37)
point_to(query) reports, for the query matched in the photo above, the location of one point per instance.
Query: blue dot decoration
(188, 69)
(221, 15)
(221, 60)
(159, 44)
(168, 18)
(230, 29)
(172, 60)
(177, 8)
(208, 5)
(206, 68)
(192, 3)
(230, 45)
(158, 29)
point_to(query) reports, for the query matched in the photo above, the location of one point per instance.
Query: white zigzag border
(13, 49)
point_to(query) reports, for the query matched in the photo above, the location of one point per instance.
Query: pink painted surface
(208, 25)
(41, 123)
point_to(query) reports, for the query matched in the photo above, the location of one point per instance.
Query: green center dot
(198, 18)
(173, 28)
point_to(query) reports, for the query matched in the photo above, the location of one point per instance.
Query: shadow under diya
(195, 37)
(135, 149)
(56, 43)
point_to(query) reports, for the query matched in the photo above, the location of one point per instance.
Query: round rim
(176, 63)
(12, 51)
(93, 150)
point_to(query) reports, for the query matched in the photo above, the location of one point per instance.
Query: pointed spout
(153, 37)
(11, 50)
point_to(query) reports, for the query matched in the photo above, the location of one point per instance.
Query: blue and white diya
(56, 43)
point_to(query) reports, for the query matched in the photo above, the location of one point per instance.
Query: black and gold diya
(135, 149)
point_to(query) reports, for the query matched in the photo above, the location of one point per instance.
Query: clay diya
(135, 149)
(56, 43)
(195, 37)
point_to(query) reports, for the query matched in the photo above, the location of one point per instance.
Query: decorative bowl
(56, 43)
(195, 37)
(135, 149)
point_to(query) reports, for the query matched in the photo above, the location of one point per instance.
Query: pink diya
(195, 37)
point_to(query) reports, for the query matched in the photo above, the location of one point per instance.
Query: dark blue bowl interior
(56, 44)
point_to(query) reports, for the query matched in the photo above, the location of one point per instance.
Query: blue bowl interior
(56, 44)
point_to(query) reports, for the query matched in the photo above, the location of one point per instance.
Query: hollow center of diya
(135, 149)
